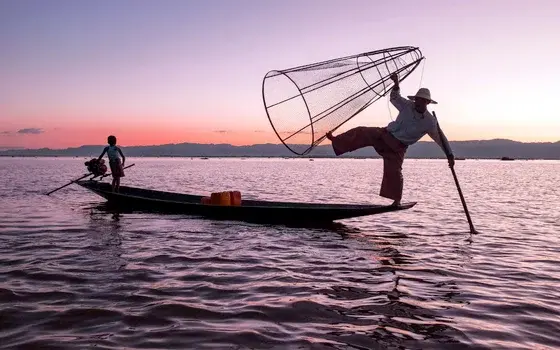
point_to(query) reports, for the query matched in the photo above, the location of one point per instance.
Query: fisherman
(391, 142)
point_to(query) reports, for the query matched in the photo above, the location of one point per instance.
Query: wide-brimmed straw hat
(425, 94)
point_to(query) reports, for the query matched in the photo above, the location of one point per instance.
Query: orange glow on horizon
(135, 136)
(148, 135)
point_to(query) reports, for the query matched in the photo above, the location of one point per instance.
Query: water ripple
(74, 276)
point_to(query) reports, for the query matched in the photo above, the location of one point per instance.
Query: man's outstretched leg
(386, 145)
(354, 139)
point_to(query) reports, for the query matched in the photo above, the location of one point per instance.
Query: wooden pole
(448, 151)
(86, 175)
(126, 167)
(68, 184)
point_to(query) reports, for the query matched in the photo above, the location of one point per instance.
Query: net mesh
(306, 102)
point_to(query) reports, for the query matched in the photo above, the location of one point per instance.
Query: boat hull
(133, 198)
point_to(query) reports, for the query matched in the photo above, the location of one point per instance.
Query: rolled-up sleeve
(397, 100)
(442, 141)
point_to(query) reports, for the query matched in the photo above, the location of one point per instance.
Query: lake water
(73, 276)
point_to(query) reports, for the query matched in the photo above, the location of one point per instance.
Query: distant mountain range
(484, 149)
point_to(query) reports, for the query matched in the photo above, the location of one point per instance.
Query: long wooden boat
(249, 210)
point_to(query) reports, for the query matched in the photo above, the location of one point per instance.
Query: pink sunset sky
(152, 72)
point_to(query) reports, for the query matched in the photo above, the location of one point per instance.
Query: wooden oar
(68, 184)
(86, 175)
(102, 176)
(473, 231)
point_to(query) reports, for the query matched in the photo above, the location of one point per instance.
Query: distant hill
(484, 149)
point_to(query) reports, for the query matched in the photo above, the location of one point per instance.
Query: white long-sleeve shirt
(410, 125)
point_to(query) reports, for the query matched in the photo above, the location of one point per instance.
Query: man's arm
(439, 137)
(395, 97)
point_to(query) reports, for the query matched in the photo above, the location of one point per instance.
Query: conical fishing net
(306, 102)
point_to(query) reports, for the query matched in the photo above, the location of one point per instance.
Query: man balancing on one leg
(413, 122)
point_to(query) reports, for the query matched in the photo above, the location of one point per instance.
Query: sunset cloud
(32, 131)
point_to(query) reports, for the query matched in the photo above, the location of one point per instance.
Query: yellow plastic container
(235, 197)
(220, 198)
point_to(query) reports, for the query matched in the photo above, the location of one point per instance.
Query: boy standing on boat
(117, 167)
(391, 142)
